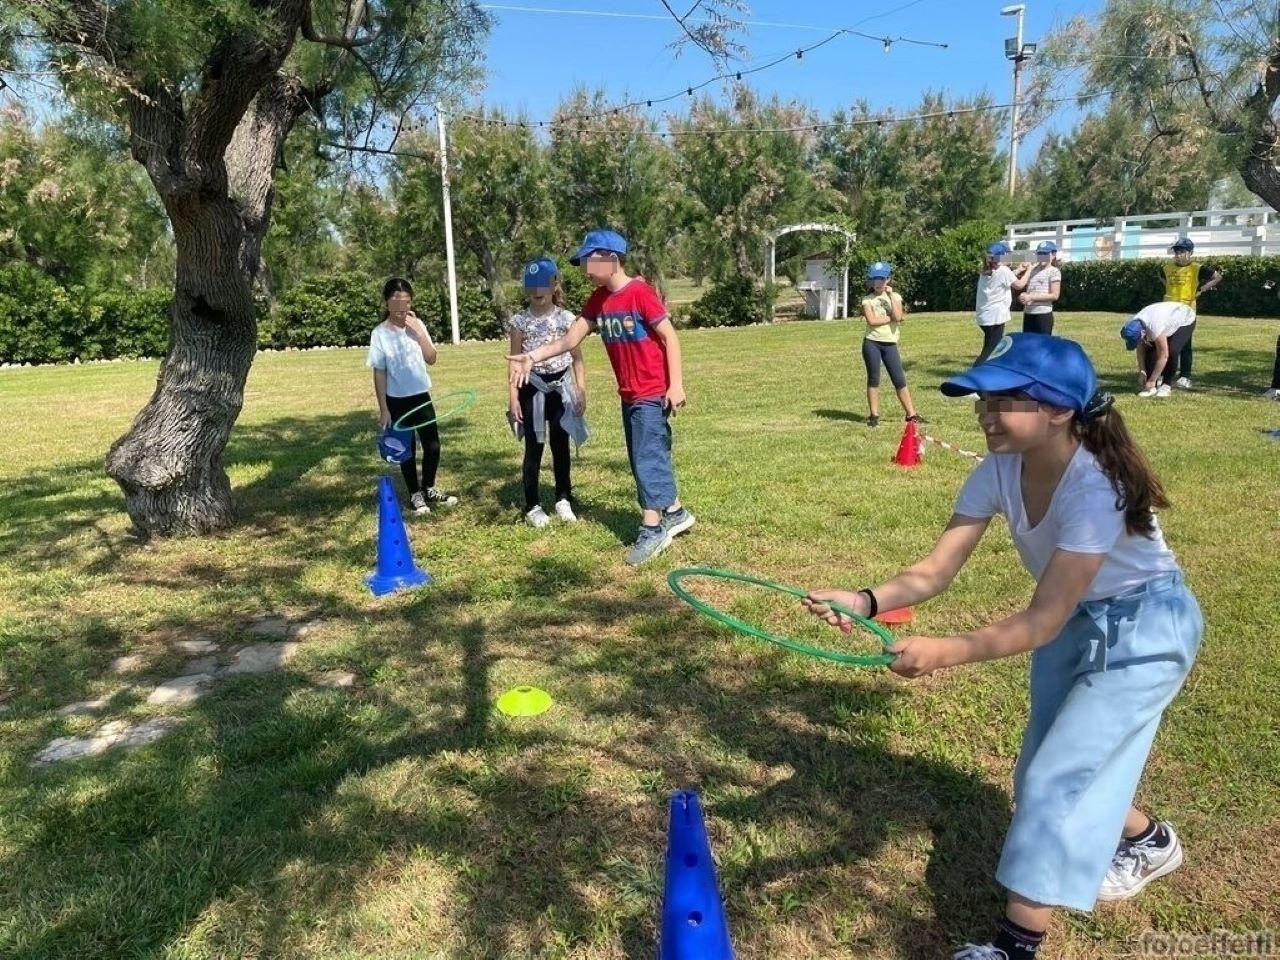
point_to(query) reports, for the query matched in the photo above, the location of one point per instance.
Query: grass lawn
(852, 814)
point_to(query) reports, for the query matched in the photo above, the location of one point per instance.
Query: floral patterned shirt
(539, 331)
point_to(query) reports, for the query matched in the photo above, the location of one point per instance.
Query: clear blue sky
(535, 58)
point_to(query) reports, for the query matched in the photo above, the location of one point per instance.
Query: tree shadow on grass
(844, 415)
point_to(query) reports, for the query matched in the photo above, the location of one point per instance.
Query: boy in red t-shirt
(645, 355)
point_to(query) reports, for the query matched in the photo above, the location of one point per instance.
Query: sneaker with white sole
(538, 518)
(564, 510)
(1272, 394)
(1183, 383)
(441, 499)
(1164, 390)
(650, 542)
(976, 951)
(418, 503)
(1136, 864)
(1148, 392)
(676, 522)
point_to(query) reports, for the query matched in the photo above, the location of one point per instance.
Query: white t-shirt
(538, 331)
(1163, 318)
(1039, 283)
(1082, 517)
(994, 296)
(396, 351)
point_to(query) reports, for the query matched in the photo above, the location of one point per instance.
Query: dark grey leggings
(991, 337)
(1275, 371)
(428, 436)
(1177, 341)
(873, 352)
(559, 443)
(1038, 323)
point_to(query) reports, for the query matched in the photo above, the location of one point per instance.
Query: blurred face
(1013, 423)
(398, 306)
(539, 297)
(1182, 257)
(877, 284)
(1044, 258)
(600, 267)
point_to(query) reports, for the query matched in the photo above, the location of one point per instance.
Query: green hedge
(41, 322)
(733, 302)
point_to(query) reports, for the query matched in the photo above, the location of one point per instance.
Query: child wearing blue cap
(644, 353)
(400, 350)
(1184, 281)
(1159, 332)
(995, 284)
(1039, 289)
(552, 402)
(883, 312)
(1112, 628)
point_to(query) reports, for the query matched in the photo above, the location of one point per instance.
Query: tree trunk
(169, 464)
(1261, 176)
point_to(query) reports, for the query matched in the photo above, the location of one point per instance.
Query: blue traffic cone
(396, 569)
(693, 921)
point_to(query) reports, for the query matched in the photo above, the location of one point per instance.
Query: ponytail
(557, 293)
(1139, 492)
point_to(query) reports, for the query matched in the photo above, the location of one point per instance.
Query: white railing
(1241, 231)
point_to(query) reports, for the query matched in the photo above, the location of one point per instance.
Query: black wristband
(871, 599)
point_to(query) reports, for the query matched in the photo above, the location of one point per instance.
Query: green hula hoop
(468, 399)
(675, 577)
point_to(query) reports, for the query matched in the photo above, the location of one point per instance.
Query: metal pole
(448, 225)
(1013, 117)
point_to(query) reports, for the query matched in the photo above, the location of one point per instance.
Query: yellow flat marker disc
(525, 702)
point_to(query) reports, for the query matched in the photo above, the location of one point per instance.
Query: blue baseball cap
(395, 446)
(1053, 370)
(1132, 333)
(540, 272)
(998, 249)
(880, 270)
(1183, 243)
(608, 240)
(1047, 246)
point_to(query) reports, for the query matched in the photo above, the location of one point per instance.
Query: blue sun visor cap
(998, 249)
(608, 240)
(880, 270)
(395, 446)
(1131, 333)
(540, 272)
(1183, 243)
(1053, 370)
(1048, 246)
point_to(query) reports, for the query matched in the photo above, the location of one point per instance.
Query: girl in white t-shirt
(1039, 289)
(557, 387)
(1112, 627)
(400, 350)
(995, 285)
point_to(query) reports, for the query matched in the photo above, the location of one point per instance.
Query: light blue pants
(1097, 694)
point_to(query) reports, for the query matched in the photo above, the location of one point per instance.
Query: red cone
(908, 454)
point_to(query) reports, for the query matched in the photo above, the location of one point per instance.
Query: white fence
(1244, 231)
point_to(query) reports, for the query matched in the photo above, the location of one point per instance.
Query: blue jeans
(649, 450)
(1098, 691)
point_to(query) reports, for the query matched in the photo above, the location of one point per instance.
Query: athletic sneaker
(1148, 392)
(538, 518)
(564, 510)
(419, 503)
(650, 542)
(440, 499)
(916, 418)
(1136, 864)
(1183, 383)
(1272, 394)
(873, 421)
(974, 951)
(1164, 390)
(676, 522)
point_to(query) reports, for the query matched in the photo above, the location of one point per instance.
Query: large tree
(1192, 71)
(207, 92)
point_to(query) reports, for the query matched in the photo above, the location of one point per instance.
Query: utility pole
(448, 223)
(1017, 51)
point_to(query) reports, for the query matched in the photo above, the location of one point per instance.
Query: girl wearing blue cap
(883, 312)
(995, 284)
(1112, 628)
(552, 402)
(1039, 290)
(400, 350)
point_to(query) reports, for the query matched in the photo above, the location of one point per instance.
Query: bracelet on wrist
(873, 605)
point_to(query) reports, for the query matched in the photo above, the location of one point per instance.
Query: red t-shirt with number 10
(626, 320)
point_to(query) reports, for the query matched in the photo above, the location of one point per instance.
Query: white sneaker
(1164, 390)
(538, 518)
(1148, 392)
(1272, 394)
(564, 510)
(1136, 864)
(440, 499)
(976, 951)
(419, 503)
(1183, 383)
